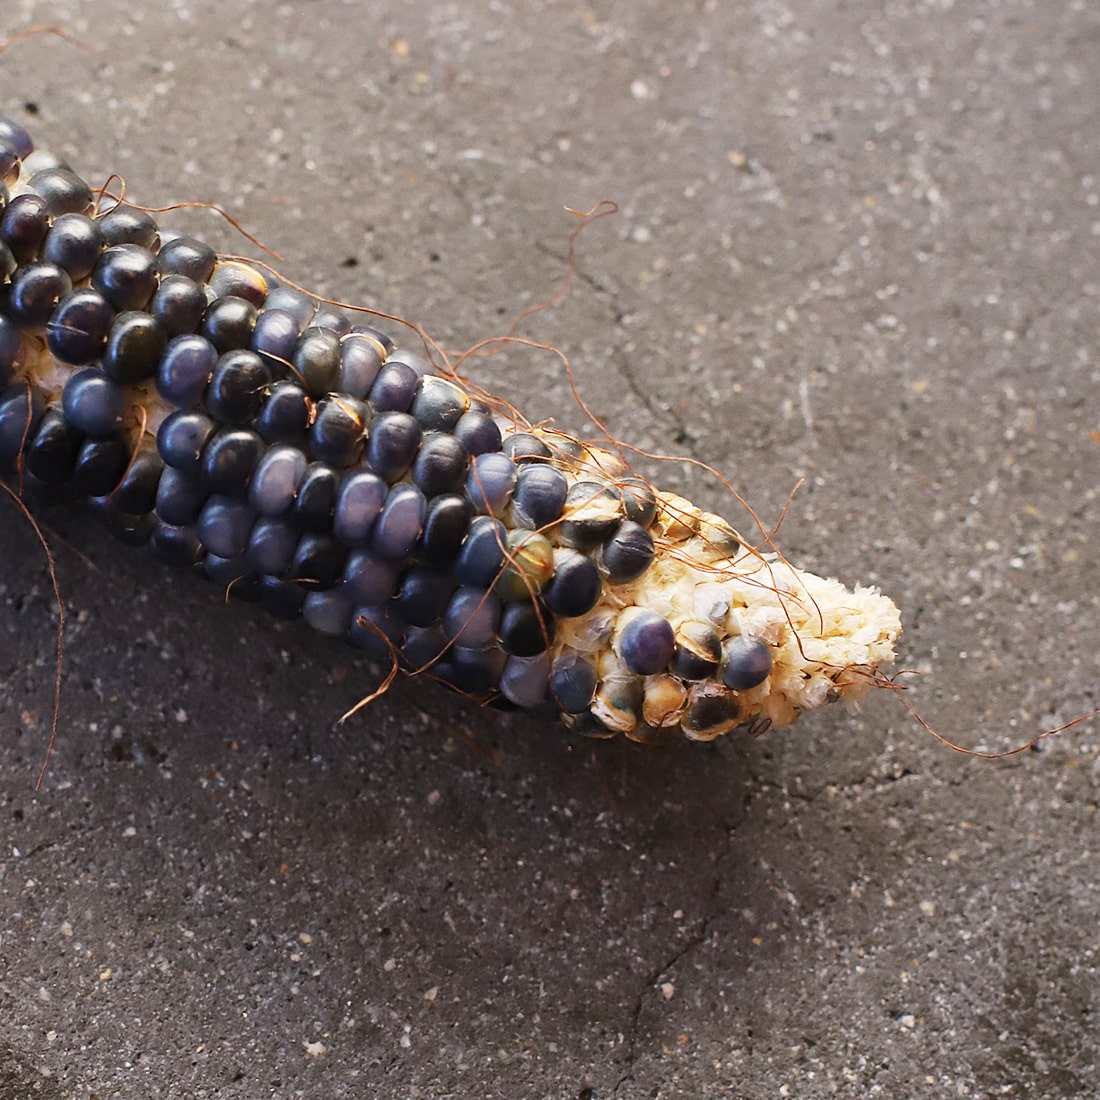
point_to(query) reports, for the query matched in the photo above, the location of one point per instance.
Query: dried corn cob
(239, 427)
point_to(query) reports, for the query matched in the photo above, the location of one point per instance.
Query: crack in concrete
(681, 435)
(695, 940)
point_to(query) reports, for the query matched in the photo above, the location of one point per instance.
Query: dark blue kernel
(288, 300)
(100, 465)
(745, 663)
(369, 579)
(275, 483)
(51, 454)
(573, 683)
(236, 391)
(24, 223)
(647, 643)
(126, 276)
(472, 616)
(229, 461)
(179, 497)
(225, 525)
(283, 599)
(285, 414)
(271, 545)
(424, 645)
(186, 256)
(524, 680)
(440, 465)
(21, 408)
(34, 293)
(318, 561)
(179, 305)
(423, 595)
(316, 500)
(474, 672)
(397, 529)
(129, 225)
(628, 553)
(378, 631)
(338, 433)
(359, 503)
(93, 403)
(394, 387)
(316, 360)
(526, 628)
(521, 447)
(328, 613)
(136, 493)
(16, 137)
(576, 586)
(491, 483)
(438, 404)
(639, 500)
(185, 370)
(478, 432)
(64, 191)
(182, 438)
(481, 556)
(77, 331)
(392, 444)
(74, 242)
(135, 346)
(228, 323)
(540, 495)
(360, 362)
(446, 524)
(176, 545)
(274, 337)
(330, 319)
(233, 574)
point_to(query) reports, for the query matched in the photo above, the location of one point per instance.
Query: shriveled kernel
(618, 703)
(591, 514)
(677, 518)
(712, 710)
(528, 566)
(698, 650)
(664, 701)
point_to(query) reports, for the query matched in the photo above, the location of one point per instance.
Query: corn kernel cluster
(243, 429)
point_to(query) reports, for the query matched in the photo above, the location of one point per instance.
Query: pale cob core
(825, 642)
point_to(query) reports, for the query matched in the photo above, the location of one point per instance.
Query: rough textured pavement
(859, 244)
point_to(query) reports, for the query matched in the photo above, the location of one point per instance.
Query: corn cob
(241, 428)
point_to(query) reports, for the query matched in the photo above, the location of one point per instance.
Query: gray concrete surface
(859, 243)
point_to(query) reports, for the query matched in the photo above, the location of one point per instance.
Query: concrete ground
(858, 244)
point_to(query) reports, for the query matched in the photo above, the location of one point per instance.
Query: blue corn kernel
(392, 444)
(94, 403)
(647, 643)
(274, 485)
(359, 503)
(185, 370)
(271, 545)
(398, 527)
(746, 663)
